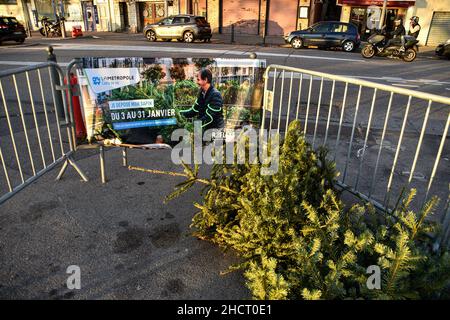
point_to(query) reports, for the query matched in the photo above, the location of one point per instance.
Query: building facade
(366, 14)
(253, 17)
(434, 16)
(247, 16)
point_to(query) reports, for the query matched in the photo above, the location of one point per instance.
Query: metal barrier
(75, 91)
(384, 139)
(32, 138)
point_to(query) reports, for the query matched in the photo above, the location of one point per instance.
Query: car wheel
(297, 43)
(21, 40)
(150, 35)
(188, 37)
(348, 46)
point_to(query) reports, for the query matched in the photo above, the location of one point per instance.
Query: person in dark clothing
(208, 105)
(396, 35)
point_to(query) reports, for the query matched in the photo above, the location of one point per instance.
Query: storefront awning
(390, 3)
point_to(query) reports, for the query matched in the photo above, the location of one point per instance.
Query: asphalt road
(427, 73)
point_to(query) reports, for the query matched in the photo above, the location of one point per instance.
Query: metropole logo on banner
(106, 79)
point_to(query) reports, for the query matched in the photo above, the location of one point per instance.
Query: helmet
(415, 19)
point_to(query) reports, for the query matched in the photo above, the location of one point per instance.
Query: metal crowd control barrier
(34, 136)
(73, 91)
(384, 139)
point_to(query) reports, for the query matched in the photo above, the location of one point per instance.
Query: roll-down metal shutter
(439, 28)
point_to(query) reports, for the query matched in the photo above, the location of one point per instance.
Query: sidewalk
(216, 38)
(126, 241)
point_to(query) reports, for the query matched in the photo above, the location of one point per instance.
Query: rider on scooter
(396, 35)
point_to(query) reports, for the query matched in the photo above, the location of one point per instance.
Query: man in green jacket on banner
(208, 106)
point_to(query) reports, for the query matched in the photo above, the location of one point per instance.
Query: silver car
(187, 28)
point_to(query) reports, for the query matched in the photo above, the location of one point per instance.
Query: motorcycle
(50, 28)
(376, 42)
(443, 49)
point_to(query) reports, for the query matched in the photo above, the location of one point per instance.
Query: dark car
(11, 29)
(443, 49)
(187, 28)
(326, 34)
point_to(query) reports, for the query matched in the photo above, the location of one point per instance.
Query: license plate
(18, 32)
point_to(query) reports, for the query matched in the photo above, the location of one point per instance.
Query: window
(201, 21)
(337, 27)
(167, 21)
(303, 13)
(323, 27)
(180, 20)
(8, 21)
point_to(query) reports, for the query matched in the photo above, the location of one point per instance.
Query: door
(164, 28)
(336, 34)
(151, 12)
(358, 18)
(316, 35)
(103, 17)
(89, 16)
(178, 25)
(123, 10)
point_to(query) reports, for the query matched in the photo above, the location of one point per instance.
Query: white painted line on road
(269, 54)
(84, 47)
(405, 85)
(392, 78)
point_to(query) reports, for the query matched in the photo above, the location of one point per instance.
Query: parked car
(11, 29)
(326, 34)
(443, 49)
(187, 28)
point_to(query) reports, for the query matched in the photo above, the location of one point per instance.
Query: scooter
(50, 28)
(376, 43)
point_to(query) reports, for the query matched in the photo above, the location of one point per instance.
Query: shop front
(366, 14)
(151, 12)
(71, 10)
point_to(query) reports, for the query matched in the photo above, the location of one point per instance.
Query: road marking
(85, 47)
(405, 85)
(392, 79)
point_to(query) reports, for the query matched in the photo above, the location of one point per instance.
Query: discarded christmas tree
(298, 241)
